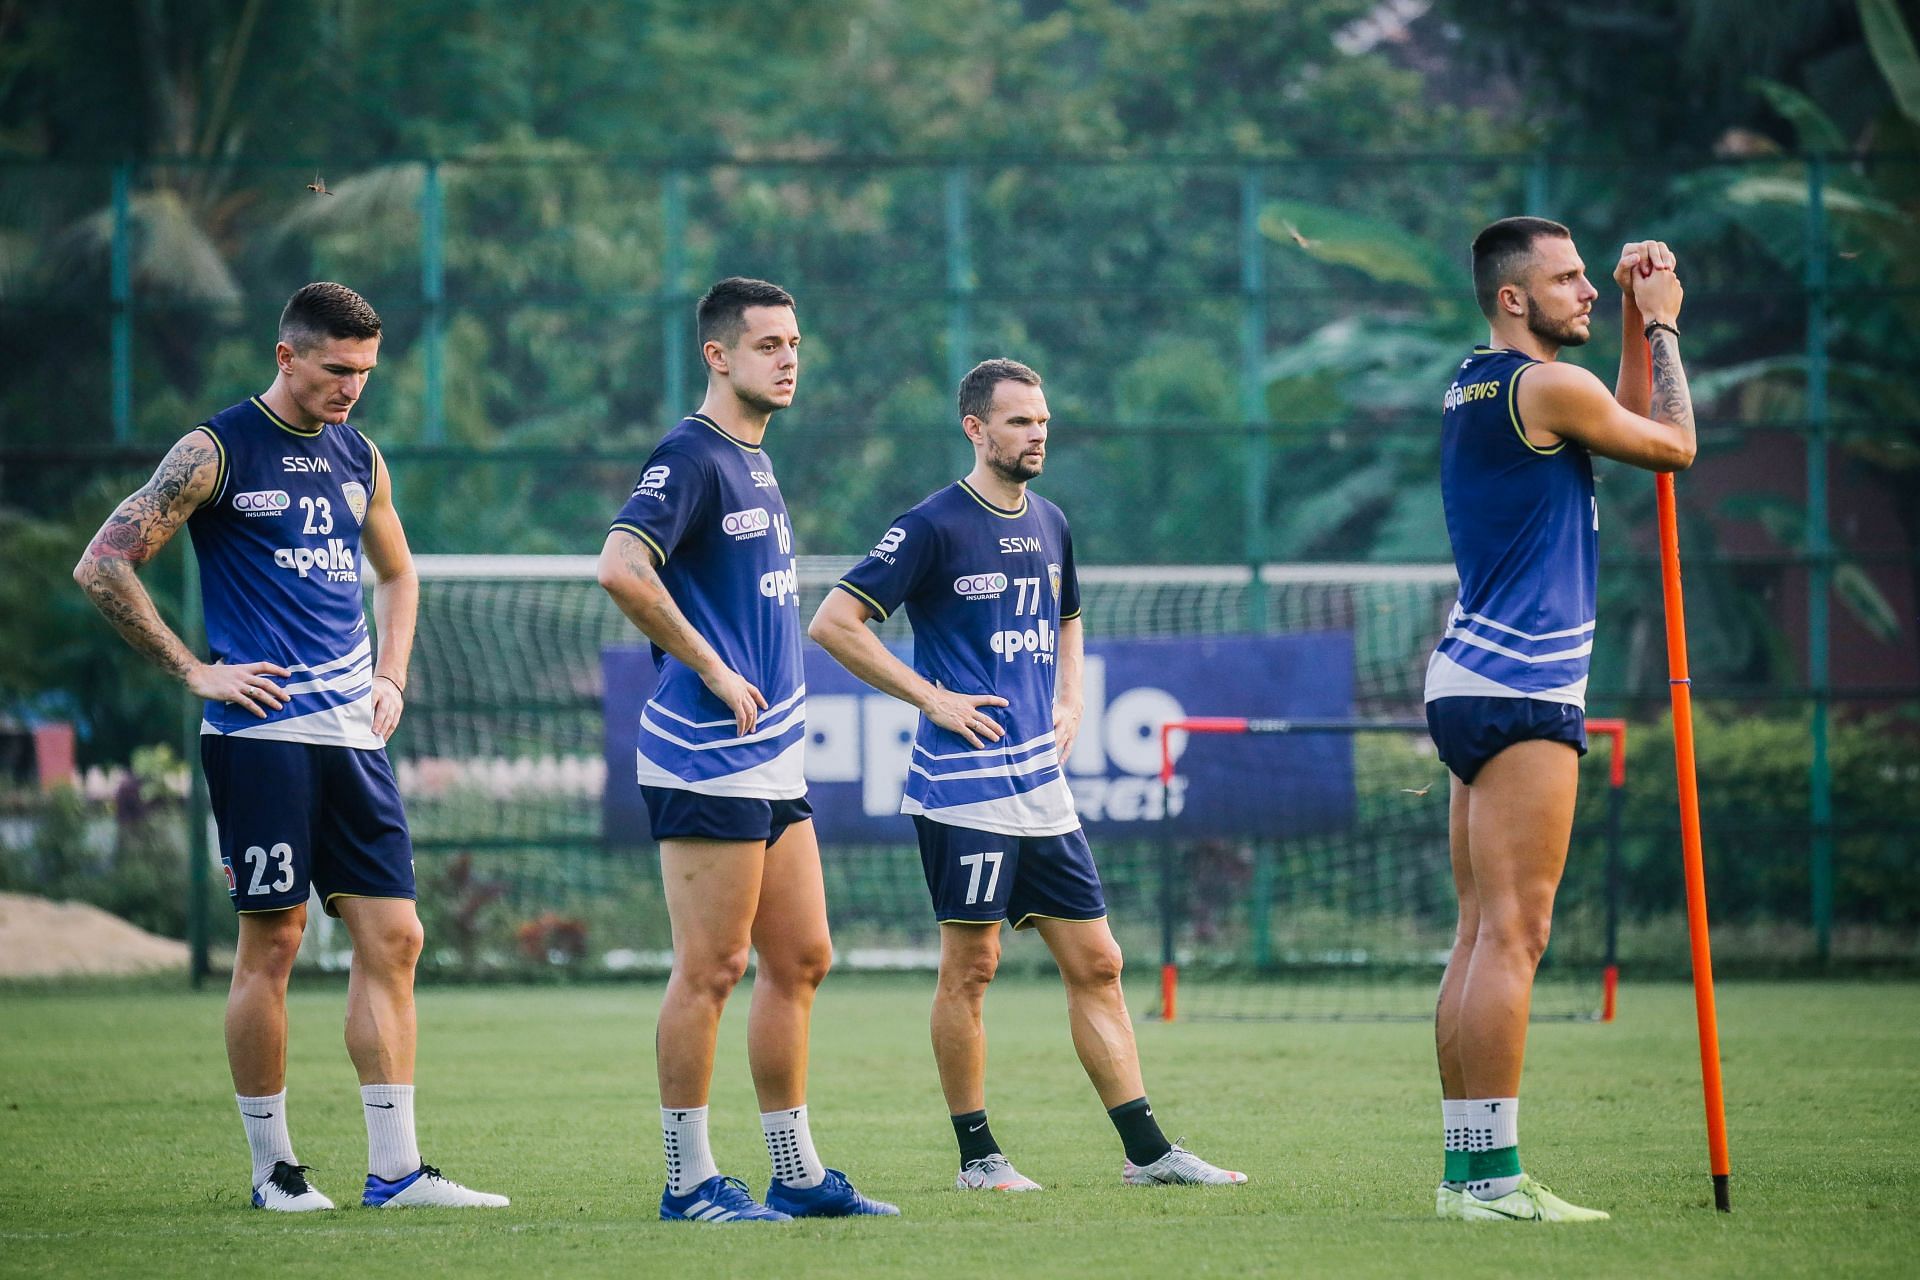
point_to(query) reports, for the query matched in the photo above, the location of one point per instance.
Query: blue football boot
(718, 1199)
(833, 1198)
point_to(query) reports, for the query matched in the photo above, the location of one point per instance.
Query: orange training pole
(1681, 687)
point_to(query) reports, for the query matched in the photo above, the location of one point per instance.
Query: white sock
(1453, 1124)
(1493, 1124)
(266, 1124)
(689, 1158)
(790, 1147)
(392, 1150)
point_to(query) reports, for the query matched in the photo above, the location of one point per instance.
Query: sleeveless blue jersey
(1524, 528)
(279, 551)
(986, 590)
(710, 509)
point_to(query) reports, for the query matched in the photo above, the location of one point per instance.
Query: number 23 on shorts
(276, 863)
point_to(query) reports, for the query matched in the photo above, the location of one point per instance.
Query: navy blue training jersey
(1524, 527)
(709, 508)
(986, 590)
(279, 552)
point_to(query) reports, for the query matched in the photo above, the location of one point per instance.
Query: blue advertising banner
(860, 740)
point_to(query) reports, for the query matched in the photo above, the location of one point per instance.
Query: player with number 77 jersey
(985, 571)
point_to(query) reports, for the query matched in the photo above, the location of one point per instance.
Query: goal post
(1368, 914)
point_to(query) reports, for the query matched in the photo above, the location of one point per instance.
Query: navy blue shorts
(688, 815)
(1471, 731)
(295, 816)
(980, 877)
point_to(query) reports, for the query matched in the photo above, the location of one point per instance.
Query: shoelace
(429, 1172)
(291, 1178)
(989, 1164)
(740, 1188)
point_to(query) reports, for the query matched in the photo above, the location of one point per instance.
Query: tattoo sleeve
(1672, 402)
(136, 531)
(657, 616)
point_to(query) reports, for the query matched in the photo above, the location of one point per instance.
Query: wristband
(1658, 324)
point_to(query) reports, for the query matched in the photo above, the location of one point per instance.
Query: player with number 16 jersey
(709, 509)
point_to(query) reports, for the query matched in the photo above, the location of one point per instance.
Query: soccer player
(1506, 686)
(286, 504)
(701, 560)
(985, 571)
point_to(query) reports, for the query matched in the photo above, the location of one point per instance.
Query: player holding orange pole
(1506, 687)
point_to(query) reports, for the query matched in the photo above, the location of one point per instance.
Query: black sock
(976, 1140)
(1139, 1131)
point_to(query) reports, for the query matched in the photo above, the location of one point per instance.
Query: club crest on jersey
(980, 586)
(356, 495)
(1053, 578)
(262, 502)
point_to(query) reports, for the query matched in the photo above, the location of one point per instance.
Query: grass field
(120, 1153)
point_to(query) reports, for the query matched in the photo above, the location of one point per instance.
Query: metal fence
(1241, 355)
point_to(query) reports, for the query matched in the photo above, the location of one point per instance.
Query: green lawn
(120, 1153)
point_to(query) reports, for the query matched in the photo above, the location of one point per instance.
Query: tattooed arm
(1560, 401)
(627, 573)
(136, 531)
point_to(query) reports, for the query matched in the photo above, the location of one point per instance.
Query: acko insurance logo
(262, 502)
(980, 586)
(746, 524)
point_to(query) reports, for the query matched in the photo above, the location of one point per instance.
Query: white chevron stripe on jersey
(1044, 740)
(362, 650)
(795, 716)
(769, 713)
(1033, 764)
(1482, 620)
(1481, 642)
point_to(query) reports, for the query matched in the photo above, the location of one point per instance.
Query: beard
(1561, 333)
(1014, 468)
(759, 402)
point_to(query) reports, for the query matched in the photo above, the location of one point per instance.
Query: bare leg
(712, 888)
(382, 1030)
(257, 1000)
(1090, 963)
(969, 956)
(789, 932)
(1446, 1013)
(1519, 823)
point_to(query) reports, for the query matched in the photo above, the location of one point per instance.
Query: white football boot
(1179, 1168)
(286, 1190)
(425, 1188)
(993, 1173)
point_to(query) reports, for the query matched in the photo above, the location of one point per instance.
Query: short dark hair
(976, 389)
(1502, 251)
(325, 310)
(722, 312)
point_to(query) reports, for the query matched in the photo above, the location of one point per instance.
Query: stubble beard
(1016, 470)
(1561, 333)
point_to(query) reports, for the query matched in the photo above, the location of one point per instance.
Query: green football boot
(1531, 1201)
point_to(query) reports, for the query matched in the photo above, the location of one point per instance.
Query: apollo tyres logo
(262, 502)
(780, 585)
(335, 559)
